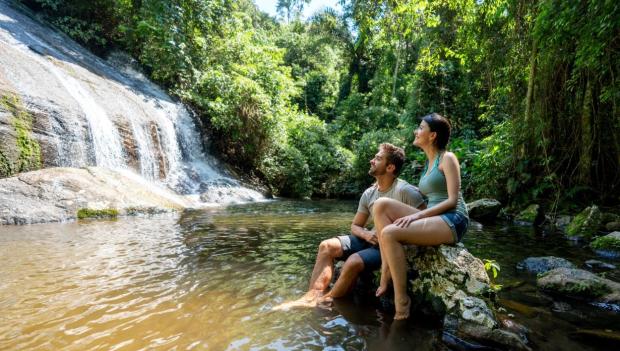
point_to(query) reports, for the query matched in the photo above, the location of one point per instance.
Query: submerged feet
(402, 308)
(311, 299)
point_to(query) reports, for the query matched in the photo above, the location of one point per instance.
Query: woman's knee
(381, 205)
(389, 233)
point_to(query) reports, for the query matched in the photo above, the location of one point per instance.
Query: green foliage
(287, 172)
(326, 160)
(84, 213)
(493, 267)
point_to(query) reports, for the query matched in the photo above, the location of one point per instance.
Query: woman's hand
(404, 222)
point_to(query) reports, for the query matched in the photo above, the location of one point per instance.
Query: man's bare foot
(300, 303)
(402, 309)
(310, 299)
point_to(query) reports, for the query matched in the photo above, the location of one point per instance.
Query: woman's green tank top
(433, 185)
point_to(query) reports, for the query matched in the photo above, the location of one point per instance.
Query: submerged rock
(543, 264)
(585, 225)
(599, 265)
(58, 194)
(609, 243)
(580, 284)
(484, 209)
(530, 216)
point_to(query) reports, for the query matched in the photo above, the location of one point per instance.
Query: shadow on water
(208, 279)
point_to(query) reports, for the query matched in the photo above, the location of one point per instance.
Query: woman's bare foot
(381, 290)
(402, 309)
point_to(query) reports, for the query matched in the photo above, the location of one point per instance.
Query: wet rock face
(581, 284)
(446, 274)
(585, 225)
(58, 194)
(543, 264)
(484, 209)
(452, 283)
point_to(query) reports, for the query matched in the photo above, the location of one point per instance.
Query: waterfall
(106, 113)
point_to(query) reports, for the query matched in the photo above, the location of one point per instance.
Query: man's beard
(375, 172)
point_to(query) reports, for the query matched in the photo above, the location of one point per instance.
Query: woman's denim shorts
(458, 224)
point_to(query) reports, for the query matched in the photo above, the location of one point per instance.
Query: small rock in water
(543, 264)
(599, 265)
(484, 209)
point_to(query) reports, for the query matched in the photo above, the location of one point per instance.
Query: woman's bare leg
(430, 231)
(385, 212)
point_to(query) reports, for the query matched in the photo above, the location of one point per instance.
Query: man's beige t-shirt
(400, 190)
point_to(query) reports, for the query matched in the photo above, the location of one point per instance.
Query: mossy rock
(531, 215)
(576, 283)
(585, 225)
(609, 242)
(84, 213)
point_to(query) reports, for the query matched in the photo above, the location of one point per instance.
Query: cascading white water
(106, 141)
(120, 118)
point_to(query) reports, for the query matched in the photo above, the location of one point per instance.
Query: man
(360, 250)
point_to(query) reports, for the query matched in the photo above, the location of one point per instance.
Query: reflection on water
(208, 279)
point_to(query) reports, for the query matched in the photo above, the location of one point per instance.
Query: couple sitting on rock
(400, 215)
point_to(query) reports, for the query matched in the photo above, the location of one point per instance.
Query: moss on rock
(84, 213)
(530, 215)
(585, 224)
(28, 149)
(608, 242)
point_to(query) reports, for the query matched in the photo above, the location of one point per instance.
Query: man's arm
(357, 228)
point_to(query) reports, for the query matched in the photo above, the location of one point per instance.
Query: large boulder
(453, 284)
(585, 225)
(484, 209)
(61, 194)
(543, 264)
(580, 284)
(608, 244)
(532, 215)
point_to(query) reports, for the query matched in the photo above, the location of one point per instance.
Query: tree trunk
(585, 154)
(529, 100)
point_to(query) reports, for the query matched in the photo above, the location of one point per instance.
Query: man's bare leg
(353, 266)
(322, 273)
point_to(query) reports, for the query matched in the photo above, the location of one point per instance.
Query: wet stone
(543, 264)
(599, 265)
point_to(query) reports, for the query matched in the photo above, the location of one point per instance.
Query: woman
(444, 221)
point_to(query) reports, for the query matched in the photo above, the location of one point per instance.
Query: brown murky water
(207, 280)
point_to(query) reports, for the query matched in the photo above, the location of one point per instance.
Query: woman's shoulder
(449, 156)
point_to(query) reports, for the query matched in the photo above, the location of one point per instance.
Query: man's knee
(354, 264)
(330, 247)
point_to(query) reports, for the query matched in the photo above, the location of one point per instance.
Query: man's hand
(371, 237)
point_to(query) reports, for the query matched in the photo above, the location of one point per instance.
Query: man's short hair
(394, 155)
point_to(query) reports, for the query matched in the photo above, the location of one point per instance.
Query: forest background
(530, 86)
